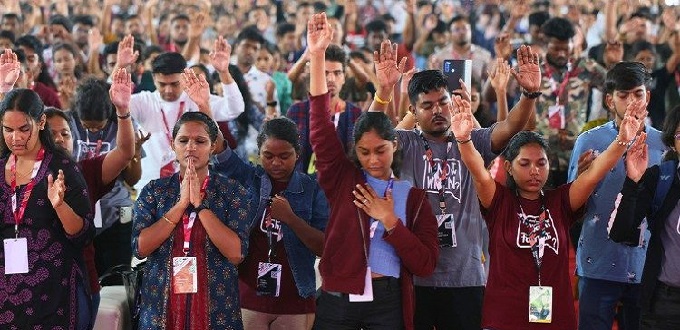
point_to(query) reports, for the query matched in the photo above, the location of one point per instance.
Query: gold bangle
(168, 220)
(381, 101)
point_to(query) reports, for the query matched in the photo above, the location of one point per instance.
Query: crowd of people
(235, 144)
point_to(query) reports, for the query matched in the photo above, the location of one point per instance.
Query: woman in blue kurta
(197, 214)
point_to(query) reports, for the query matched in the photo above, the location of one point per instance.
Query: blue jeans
(84, 308)
(598, 301)
(665, 309)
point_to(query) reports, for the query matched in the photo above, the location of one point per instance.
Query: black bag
(131, 278)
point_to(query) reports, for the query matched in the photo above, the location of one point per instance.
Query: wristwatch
(272, 103)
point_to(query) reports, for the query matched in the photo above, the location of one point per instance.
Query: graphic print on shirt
(86, 149)
(530, 227)
(432, 180)
(276, 229)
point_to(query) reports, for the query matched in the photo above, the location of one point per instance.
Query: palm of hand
(461, 126)
(220, 61)
(529, 76)
(120, 95)
(198, 93)
(318, 41)
(11, 73)
(126, 57)
(387, 72)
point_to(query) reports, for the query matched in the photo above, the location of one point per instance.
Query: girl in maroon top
(528, 286)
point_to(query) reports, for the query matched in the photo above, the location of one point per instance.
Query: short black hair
(459, 18)
(30, 41)
(180, 17)
(83, 19)
(251, 33)
(424, 82)
(12, 15)
(335, 53)
(62, 20)
(6, 34)
(319, 7)
(169, 63)
(131, 17)
(111, 48)
(559, 28)
(356, 54)
(91, 100)
(151, 49)
(195, 116)
(284, 28)
(281, 128)
(376, 25)
(639, 46)
(440, 27)
(538, 18)
(625, 76)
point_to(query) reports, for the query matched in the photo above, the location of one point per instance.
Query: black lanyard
(445, 167)
(536, 233)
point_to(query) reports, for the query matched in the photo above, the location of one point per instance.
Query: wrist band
(168, 220)
(125, 116)
(199, 209)
(379, 100)
(532, 95)
(463, 141)
(620, 142)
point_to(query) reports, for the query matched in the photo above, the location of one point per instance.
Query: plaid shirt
(299, 113)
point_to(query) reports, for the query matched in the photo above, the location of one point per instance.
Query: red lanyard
(21, 208)
(445, 167)
(168, 129)
(558, 90)
(189, 218)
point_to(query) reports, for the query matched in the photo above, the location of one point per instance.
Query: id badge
(540, 304)
(16, 256)
(98, 222)
(368, 290)
(372, 229)
(268, 279)
(447, 231)
(556, 116)
(184, 275)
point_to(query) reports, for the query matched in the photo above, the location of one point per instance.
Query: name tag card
(184, 275)
(16, 256)
(540, 304)
(268, 279)
(368, 290)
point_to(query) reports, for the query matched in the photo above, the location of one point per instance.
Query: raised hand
(196, 87)
(634, 117)
(502, 46)
(221, 55)
(66, 88)
(319, 34)
(500, 75)
(197, 25)
(613, 52)
(140, 138)
(10, 69)
(95, 40)
(462, 121)
(406, 79)
(121, 89)
(637, 158)
(56, 189)
(387, 70)
(529, 75)
(126, 52)
(379, 208)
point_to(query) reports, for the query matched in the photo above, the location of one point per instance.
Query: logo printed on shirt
(84, 149)
(276, 229)
(531, 225)
(432, 182)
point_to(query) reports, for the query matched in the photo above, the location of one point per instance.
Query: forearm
(501, 105)
(604, 162)
(125, 136)
(673, 62)
(225, 77)
(311, 237)
(191, 48)
(359, 74)
(133, 172)
(93, 64)
(70, 220)
(297, 69)
(225, 239)
(610, 13)
(152, 237)
(385, 95)
(406, 117)
(317, 75)
(515, 122)
(420, 42)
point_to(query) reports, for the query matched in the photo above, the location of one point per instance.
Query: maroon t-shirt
(289, 300)
(512, 268)
(92, 172)
(48, 95)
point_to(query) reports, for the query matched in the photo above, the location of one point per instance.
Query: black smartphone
(455, 70)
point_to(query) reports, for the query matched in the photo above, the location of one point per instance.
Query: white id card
(368, 290)
(98, 223)
(184, 275)
(540, 304)
(16, 255)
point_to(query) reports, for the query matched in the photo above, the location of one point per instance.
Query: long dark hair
(29, 103)
(668, 135)
(381, 124)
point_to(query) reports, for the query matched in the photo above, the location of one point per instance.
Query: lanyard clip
(16, 231)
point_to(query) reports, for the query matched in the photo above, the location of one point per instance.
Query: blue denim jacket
(306, 199)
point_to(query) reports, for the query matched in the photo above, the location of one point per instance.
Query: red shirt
(512, 269)
(289, 300)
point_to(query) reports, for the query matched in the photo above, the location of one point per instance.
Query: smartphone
(455, 70)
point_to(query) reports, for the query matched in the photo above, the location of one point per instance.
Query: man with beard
(179, 33)
(462, 48)
(567, 83)
(343, 113)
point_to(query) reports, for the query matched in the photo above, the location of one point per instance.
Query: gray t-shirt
(670, 238)
(459, 265)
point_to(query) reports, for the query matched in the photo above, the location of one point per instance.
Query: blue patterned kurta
(231, 203)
